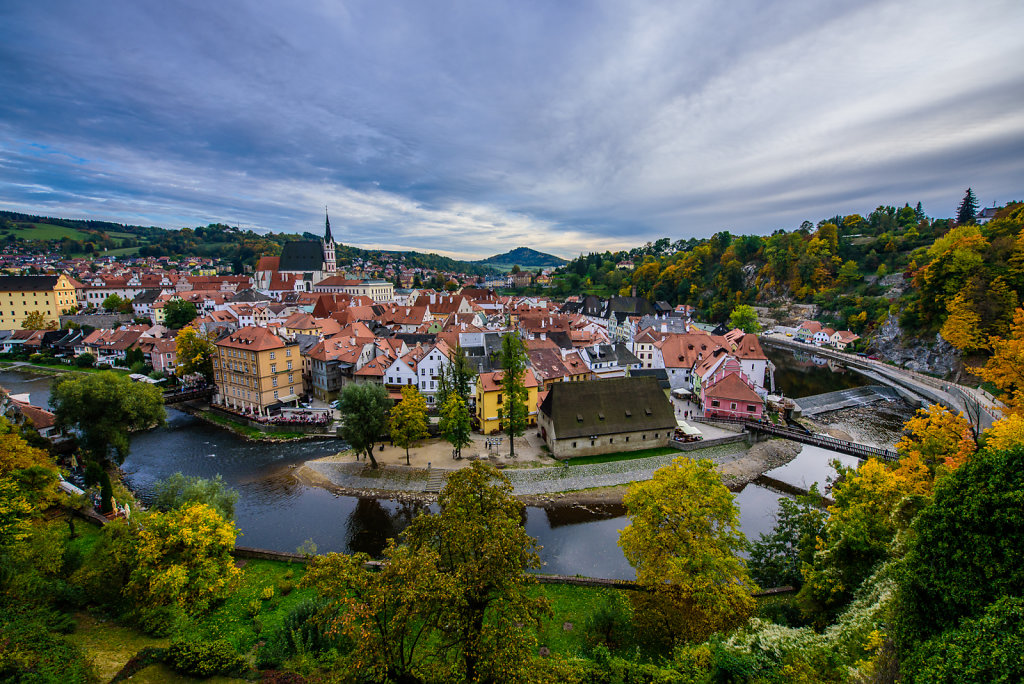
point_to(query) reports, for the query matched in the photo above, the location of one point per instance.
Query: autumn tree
(179, 490)
(1005, 368)
(935, 438)
(455, 423)
(179, 313)
(745, 318)
(872, 504)
(184, 559)
(684, 540)
(28, 485)
(485, 553)
(1006, 433)
(104, 409)
(194, 352)
(364, 414)
(115, 302)
(408, 420)
(514, 412)
(36, 320)
(962, 328)
(968, 208)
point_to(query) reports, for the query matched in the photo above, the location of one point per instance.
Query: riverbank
(246, 432)
(591, 484)
(35, 369)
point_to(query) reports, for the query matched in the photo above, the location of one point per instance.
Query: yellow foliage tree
(1005, 369)
(36, 320)
(962, 328)
(194, 351)
(1006, 433)
(935, 438)
(683, 540)
(184, 559)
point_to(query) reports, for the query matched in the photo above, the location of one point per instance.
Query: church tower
(330, 265)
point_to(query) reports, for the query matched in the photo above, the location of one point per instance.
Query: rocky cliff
(935, 356)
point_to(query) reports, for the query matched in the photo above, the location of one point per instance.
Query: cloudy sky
(469, 128)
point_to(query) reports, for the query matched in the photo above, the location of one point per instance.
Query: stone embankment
(592, 483)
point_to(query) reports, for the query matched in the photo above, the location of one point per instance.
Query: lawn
(621, 456)
(48, 231)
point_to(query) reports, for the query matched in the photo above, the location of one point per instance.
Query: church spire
(327, 233)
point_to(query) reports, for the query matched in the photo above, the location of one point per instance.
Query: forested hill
(524, 257)
(857, 268)
(75, 237)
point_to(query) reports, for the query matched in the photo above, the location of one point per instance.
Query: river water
(276, 511)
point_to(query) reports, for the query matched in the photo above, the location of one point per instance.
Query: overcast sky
(472, 127)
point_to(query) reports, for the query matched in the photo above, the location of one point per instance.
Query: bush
(157, 621)
(299, 633)
(611, 624)
(85, 360)
(254, 607)
(205, 658)
(284, 587)
(267, 593)
(30, 651)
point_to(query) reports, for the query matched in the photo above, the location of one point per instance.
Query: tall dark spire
(327, 233)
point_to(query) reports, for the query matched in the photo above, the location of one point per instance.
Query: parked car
(334, 404)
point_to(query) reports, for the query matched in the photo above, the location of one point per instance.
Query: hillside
(524, 257)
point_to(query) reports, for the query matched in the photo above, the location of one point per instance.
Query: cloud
(471, 129)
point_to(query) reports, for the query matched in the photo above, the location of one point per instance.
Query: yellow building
(254, 369)
(51, 295)
(490, 397)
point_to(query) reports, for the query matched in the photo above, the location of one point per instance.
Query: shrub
(85, 360)
(611, 624)
(299, 633)
(204, 658)
(267, 593)
(254, 607)
(284, 587)
(157, 621)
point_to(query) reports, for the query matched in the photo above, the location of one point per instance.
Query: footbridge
(861, 451)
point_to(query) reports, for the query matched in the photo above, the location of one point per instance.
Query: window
(273, 368)
(273, 381)
(290, 378)
(275, 394)
(289, 365)
(751, 408)
(287, 352)
(714, 403)
(272, 355)
(501, 397)
(732, 405)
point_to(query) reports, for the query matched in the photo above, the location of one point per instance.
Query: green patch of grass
(48, 231)
(569, 604)
(621, 456)
(248, 430)
(232, 620)
(110, 645)
(58, 368)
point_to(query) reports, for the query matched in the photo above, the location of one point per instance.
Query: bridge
(981, 408)
(178, 396)
(861, 451)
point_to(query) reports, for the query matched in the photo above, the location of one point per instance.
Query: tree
(364, 414)
(388, 615)
(777, 556)
(85, 360)
(179, 490)
(456, 376)
(962, 328)
(1005, 368)
(935, 438)
(968, 208)
(966, 548)
(745, 318)
(36, 320)
(848, 273)
(409, 420)
(683, 540)
(117, 303)
(105, 408)
(194, 352)
(455, 423)
(514, 411)
(184, 559)
(872, 505)
(485, 553)
(179, 313)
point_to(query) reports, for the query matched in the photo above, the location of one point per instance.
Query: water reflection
(36, 386)
(804, 374)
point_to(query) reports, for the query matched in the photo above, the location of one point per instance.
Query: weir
(847, 398)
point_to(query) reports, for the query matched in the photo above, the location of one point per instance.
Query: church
(302, 264)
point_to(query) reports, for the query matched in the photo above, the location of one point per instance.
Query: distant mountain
(524, 257)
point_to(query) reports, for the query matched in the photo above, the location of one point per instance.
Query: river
(276, 511)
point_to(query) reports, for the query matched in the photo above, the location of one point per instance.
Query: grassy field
(622, 456)
(48, 231)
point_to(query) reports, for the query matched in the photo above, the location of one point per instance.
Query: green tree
(184, 560)
(105, 408)
(745, 318)
(364, 414)
(513, 387)
(85, 360)
(966, 548)
(683, 540)
(117, 303)
(968, 208)
(848, 273)
(456, 376)
(194, 352)
(485, 553)
(409, 420)
(777, 556)
(179, 490)
(455, 423)
(179, 313)
(36, 320)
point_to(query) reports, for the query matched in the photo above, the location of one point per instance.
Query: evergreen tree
(968, 208)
